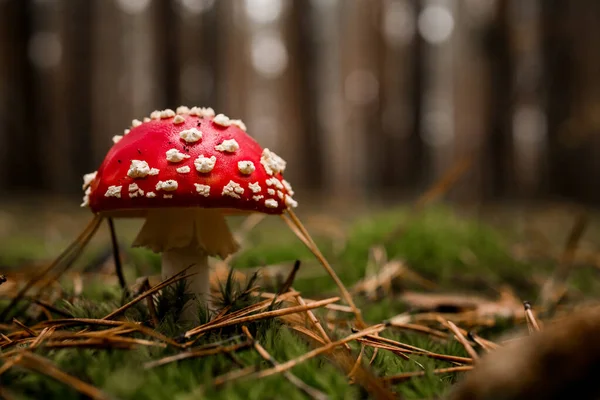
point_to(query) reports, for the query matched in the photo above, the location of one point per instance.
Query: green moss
(454, 251)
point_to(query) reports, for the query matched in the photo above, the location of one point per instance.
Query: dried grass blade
(197, 354)
(532, 323)
(264, 315)
(313, 353)
(408, 375)
(419, 328)
(89, 231)
(41, 365)
(461, 338)
(307, 389)
(302, 233)
(245, 311)
(24, 327)
(175, 278)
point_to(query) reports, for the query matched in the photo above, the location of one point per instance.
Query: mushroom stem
(187, 237)
(198, 285)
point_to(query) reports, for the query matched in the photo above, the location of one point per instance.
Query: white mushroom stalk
(186, 238)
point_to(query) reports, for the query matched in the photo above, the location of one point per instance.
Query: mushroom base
(186, 238)
(198, 285)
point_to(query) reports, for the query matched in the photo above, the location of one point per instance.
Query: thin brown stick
(10, 363)
(223, 316)
(25, 328)
(293, 379)
(117, 255)
(89, 230)
(175, 278)
(332, 307)
(554, 288)
(461, 338)
(531, 321)
(42, 365)
(356, 364)
(408, 375)
(419, 328)
(436, 190)
(418, 350)
(484, 344)
(402, 352)
(295, 221)
(197, 354)
(314, 320)
(307, 356)
(264, 315)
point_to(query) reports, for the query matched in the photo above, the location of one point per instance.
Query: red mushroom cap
(191, 158)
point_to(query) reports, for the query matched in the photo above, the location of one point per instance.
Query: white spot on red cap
(232, 189)
(167, 196)
(271, 191)
(205, 164)
(222, 120)
(113, 191)
(246, 167)
(190, 135)
(153, 171)
(239, 123)
(255, 187)
(271, 203)
(228, 145)
(86, 197)
(203, 112)
(290, 202)
(168, 185)
(174, 155)
(178, 120)
(183, 170)
(126, 131)
(182, 110)
(258, 197)
(135, 191)
(168, 113)
(155, 114)
(146, 119)
(203, 190)
(274, 182)
(280, 194)
(117, 138)
(272, 162)
(288, 187)
(135, 123)
(150, 195)
(88, 178)
(138, 169)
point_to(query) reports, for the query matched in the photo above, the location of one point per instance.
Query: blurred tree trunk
(231, 76)
(499, 170)
(21, 161)
(198, 58)
(77, 38)
(109, 110)
(471, 96)
(529, 121)
(400, 144)
(573, 99)
(166, 38)
(305, 51)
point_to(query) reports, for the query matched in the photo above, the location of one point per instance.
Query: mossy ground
(457, 252)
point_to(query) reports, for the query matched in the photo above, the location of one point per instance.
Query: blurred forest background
(364, 98)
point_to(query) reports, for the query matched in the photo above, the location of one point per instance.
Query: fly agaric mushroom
(184, 172)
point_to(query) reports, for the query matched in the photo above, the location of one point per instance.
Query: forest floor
(434, 285)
